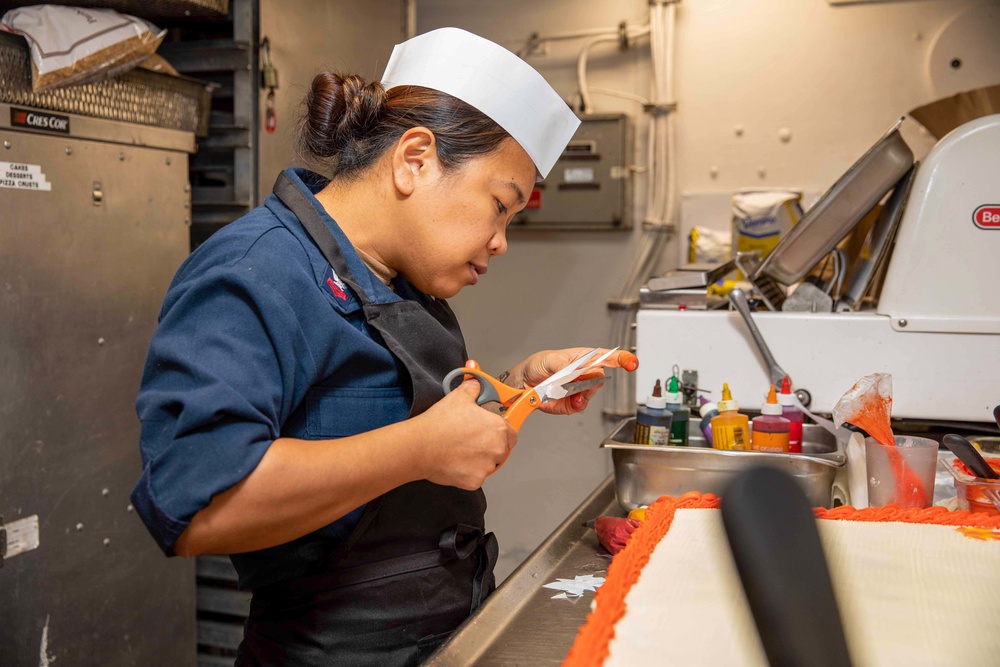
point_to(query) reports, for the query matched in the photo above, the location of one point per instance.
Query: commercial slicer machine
(936, 324)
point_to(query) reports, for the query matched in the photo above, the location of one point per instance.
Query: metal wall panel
(81, 283)
(588, 188)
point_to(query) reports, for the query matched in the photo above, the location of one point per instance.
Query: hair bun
(339, 109)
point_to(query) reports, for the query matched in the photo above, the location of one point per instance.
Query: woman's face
(459, 218)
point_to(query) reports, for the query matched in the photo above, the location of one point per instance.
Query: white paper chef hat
(494, 81)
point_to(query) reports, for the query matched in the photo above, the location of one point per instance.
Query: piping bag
(868, 405)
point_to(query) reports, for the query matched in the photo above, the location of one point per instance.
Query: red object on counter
(613, 532)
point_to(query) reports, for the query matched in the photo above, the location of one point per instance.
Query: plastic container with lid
(653, 420)
(971, 490)
(730, 429)
(681, 413)
(794, 416)
(770, 430)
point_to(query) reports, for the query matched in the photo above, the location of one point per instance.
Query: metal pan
(643, 473)
(694, 276)
(839, 209)
(876, 246)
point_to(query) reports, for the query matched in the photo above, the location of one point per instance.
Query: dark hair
(349, 123)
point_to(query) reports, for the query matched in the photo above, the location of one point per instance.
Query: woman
(291, 407)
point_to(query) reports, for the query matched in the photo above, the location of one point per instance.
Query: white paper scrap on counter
(574, 588)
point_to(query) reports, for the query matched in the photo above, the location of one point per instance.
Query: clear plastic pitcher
(902, 475)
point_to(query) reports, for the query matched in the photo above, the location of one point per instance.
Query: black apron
(418, 562)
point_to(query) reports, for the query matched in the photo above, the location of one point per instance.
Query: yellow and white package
(762, 216)
(708, 246)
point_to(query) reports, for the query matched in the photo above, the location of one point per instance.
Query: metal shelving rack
(215, 41)
(224, 171)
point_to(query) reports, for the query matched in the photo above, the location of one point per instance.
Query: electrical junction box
(588, 188)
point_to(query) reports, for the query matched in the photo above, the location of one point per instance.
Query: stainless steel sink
(643, 473)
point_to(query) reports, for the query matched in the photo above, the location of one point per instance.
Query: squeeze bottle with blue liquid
(652, 420)
(682, 414)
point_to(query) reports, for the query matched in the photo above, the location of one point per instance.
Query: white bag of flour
(761, 217)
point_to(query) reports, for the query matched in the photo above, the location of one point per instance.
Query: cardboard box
(944, 115)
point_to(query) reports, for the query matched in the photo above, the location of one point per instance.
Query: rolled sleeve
(225, 368)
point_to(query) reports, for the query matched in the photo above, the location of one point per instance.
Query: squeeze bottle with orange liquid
(770, 430)
(794, 416)
(730, 429)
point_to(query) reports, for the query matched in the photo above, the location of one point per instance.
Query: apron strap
(458, 543)
(321, 235)
(484, 583)
(425, 338)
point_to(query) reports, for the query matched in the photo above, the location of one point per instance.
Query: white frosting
(909, 594)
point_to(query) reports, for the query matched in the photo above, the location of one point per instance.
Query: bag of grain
(72, 45)
(761, 216)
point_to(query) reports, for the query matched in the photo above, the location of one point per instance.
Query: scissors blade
(564, 390)
(596, 363)
(572, 371)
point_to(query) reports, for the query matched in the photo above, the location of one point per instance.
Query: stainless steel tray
(695, 275)
(840, 208)
(643, 473)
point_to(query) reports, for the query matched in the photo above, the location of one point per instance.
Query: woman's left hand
(542, 365)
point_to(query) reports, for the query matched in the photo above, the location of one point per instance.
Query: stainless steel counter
(520, 624)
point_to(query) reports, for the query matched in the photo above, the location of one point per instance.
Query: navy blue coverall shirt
(259, 339)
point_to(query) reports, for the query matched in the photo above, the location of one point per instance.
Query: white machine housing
(936, 328)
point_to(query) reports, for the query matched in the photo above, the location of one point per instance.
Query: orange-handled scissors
(517, 404)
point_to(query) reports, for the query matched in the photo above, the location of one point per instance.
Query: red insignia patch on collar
(337, 291)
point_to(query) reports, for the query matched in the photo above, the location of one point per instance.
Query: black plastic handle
(779, 557)
(970, 456)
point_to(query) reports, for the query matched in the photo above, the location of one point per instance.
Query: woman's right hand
(461, 443)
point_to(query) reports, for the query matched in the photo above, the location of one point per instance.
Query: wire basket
(152, 10)
(138, 96)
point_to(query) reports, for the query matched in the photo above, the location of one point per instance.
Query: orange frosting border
(594, 638)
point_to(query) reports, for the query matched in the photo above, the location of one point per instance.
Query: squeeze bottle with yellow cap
(770, 430)
(730, 429)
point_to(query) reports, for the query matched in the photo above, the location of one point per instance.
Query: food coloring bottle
(795, 417)
(652, 420)
(682, 414)
(708, 411)
(770, 430)
(730, 429)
